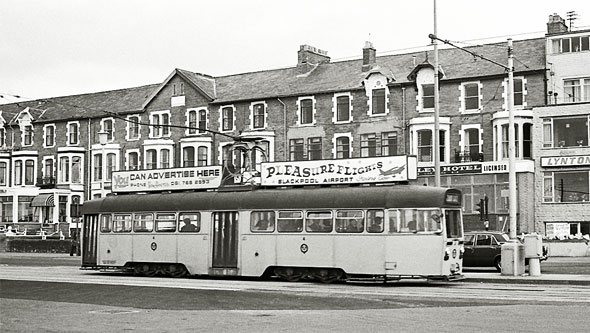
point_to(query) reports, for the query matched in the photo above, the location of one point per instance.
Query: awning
(43, 200)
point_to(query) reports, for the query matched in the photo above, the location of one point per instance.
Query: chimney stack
(369, 56)
(308, 57)
(556, 25)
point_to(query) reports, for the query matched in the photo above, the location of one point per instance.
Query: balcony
(46, 182)
(466, 156)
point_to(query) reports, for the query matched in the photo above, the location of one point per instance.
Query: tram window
(122, 223)
(165, 222)
(409, 220)
(143, 222)
(105, 223)
(263, 221)
(349, 221)
(290, 221)
(375, 220)
(394, 221)
(189, 222)
(318, 221)
(453, 223)
(431, 219)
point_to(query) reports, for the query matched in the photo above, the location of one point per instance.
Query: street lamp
(103, 137)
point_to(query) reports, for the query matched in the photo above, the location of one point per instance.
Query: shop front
(484, 186)
(564, 209)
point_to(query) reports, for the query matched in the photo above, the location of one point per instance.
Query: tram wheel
(145, 270)
(328, 275)
(289, 274)
(177, 271)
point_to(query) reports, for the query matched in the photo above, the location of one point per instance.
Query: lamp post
(103, 137)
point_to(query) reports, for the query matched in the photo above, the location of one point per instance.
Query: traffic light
(480, 207)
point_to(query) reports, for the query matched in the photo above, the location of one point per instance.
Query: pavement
(471, 275)
(571, 279)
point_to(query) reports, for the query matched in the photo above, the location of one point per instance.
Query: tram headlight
(447, 253)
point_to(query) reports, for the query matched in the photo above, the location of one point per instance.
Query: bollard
(533, 248)
(534, 267)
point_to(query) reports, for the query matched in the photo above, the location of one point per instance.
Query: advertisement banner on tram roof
(167, 179)
(340, 171)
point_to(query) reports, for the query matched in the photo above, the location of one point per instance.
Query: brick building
(318, 109)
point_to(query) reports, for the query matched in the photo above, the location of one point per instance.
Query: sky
(53, 48)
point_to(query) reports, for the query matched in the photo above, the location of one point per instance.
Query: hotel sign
(341, 171)
(559, 161)
(451, 169)
(167, 179)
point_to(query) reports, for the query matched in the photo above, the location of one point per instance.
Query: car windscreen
(502, 238)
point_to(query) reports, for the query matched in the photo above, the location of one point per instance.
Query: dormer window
(377, 94)
(428, 96)
(27, 137)
(378, 101)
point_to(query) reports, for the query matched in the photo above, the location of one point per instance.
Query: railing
(46, 182)
(466, 156)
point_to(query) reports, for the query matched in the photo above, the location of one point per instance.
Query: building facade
(374, 106)
(562, 167)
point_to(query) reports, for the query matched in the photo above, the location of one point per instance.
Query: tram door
(225, 239)
(89, 237)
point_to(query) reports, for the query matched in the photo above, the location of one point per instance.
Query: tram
(325, 233)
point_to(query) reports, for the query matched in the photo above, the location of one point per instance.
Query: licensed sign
(167, 179)
(341, 171)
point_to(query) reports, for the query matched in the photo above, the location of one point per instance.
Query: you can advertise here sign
(167, 179)
(341, 171)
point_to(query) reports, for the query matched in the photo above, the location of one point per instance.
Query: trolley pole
(436, 153)
(511, 144)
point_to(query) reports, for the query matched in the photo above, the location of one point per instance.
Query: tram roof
(304, 198)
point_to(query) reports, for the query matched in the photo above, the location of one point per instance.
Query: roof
(325, 78)
(347, 75)
(397, 196)
(81, 106)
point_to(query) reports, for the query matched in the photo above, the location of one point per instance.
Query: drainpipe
(404, 120)
(88, 180)
(285, 143)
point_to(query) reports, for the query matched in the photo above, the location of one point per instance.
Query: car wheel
(498, 264)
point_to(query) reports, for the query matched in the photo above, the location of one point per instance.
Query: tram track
(415, 290)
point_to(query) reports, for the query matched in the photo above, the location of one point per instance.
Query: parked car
(484, 248)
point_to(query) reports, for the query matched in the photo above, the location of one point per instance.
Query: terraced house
(318, 109)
